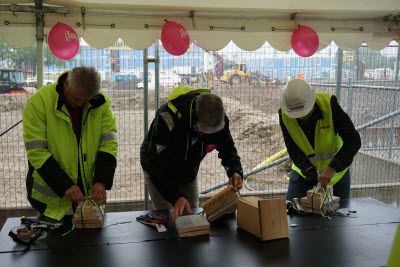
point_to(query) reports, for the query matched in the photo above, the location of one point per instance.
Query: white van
(166, 78)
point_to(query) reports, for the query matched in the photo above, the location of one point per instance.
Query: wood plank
(326, 208)
(317, 202)
(219, 200)
(195, 233)
(191, 223)
(273, 219)
(219, 213)
(89, 225)
(247, 215)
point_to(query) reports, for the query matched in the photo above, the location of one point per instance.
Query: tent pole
(396, 83)
(146, 113)
(339, 73)
(39, 40)
(157, 75)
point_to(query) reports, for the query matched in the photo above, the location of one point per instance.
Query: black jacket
(342, 124)
(172, 151)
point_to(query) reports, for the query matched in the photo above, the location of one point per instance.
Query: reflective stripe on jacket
(326, 143)
(48, 132)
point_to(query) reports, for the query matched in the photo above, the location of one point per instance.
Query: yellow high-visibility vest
(326, 143)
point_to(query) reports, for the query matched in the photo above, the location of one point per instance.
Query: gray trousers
(189, 190)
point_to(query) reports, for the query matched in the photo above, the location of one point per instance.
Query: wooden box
(317, 199)
(265, 218)
(220, 204)
(92, 216)
(192, 225)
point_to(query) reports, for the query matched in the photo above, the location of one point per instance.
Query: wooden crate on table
(92, 216)
(265, 218)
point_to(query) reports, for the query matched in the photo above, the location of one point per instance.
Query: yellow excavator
(239, 75)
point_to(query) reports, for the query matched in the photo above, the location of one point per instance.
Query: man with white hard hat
(320, 138)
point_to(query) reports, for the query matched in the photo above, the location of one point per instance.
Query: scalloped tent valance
(213, 28)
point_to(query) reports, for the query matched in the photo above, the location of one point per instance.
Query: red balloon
(175, 38)
(304, 41)
(63, 41)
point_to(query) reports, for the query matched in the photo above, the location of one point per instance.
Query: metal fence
(367, 90)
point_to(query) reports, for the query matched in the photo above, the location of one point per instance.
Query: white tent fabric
(258, 17)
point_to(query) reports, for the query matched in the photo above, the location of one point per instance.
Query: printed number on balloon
(175, 38)
(63, 41)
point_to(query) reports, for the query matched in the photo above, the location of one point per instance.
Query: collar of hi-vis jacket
(183, 109)
(95, 102)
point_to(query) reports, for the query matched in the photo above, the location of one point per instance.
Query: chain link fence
(249, 83)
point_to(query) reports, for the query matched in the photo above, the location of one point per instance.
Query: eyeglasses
(208, 130)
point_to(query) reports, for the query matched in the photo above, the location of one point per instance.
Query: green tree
(371, 59)
(18, 58)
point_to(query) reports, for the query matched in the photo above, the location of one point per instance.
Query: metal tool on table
(296, 207)
(32, 230)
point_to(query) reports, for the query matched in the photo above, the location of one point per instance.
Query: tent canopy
(249, 24)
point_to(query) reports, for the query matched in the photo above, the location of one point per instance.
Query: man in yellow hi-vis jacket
(70, 137)
(320, 139)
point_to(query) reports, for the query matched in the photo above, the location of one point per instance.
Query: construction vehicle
(239, 75)
(11, 80)
(219, 67)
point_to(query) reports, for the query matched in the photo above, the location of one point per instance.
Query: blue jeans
(298, 187)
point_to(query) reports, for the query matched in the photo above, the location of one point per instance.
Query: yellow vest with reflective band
(394, 258)
(48, 132)
(326, 143)
(180, 91)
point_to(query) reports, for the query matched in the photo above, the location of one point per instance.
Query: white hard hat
(298, 98)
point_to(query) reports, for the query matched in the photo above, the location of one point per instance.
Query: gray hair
(86, 77)
(210, 109)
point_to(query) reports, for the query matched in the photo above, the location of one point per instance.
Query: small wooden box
(265, 218)
(192, 225)
(92, 216)
(220, 204)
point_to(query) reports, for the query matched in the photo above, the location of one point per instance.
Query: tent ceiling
(227, 17)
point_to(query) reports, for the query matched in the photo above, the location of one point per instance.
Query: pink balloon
(63, 41)
(175, 38)
(304, 41)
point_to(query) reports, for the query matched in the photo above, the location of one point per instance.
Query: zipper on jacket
(87, 114)
(84, 155)
(187, 145)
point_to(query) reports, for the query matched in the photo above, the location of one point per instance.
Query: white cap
(298, 98)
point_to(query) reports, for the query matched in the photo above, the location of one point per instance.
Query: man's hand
(99, 193)
(236, 179)
(326, 176)
(311, 176)
(74, 194)
(180, 204)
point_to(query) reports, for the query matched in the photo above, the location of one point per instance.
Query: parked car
(166, 78)
(33, 81)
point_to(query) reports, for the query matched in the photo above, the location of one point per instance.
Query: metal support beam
(146, 113)
(39, 39)
(396, 83)
(350, 98)
(157, 76)
(339, 68)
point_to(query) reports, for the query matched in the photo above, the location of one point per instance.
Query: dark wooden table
(315, 241)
